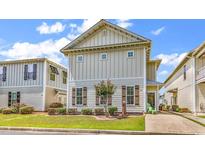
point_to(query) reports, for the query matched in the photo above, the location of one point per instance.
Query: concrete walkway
(170, 123)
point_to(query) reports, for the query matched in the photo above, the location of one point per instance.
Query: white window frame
(77, 96)
(133, 95)
(80, 61)
(132, 53)
(101, 54)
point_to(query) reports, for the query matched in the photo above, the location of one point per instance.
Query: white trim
(133, 95)
(103, 53)
(44, 84)
(49, 86)
(77, 60)
(194, 84)
(128, 78)
(145, 81)
(30, 86)
(68, 82)
(132, 52)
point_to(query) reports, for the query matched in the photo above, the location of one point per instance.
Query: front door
(151, 99)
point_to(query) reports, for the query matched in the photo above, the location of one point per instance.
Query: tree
(105, 89)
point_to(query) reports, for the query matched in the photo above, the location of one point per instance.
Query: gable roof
(98, 25)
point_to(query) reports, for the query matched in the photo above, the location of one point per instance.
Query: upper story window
(30, 72)
(53, 73)
(64, 77)
(130, 54)
(79, 58)
(103, 56)
(3, 70)
(185, 69)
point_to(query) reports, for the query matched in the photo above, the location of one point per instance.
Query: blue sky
(171, 39)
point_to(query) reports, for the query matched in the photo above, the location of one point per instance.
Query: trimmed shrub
(7, 111)
(168, 107)
(61, 111)
(112, 110)
(161, 107)
(99, 111)
(1, 109)
(56, 105)
(174, 107)
(14, 110)
(87, 111)
(72, 111)
(56, 111)
(184, 110)
(26, 110)
(177, 109)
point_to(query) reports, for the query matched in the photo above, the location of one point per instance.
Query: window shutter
(137, 95)
(34, 71)
(18, 97)
(84, 95)
(73, 96)
(4, 73)
(25, 72)
(123, 94)
(9, 99)
(110, 100)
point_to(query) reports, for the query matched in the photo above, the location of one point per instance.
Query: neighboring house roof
(179, 66)
(192, 53)
(154, 83)
(157, 61)
(31, 60)
(138, 39)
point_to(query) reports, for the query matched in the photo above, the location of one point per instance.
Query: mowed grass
(202, 116)
(67, 121)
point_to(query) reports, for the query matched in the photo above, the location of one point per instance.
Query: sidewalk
(190, 116)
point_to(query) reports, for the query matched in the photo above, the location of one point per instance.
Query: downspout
(194, 84)
(145, 82)
(44, 84)
(68, 82)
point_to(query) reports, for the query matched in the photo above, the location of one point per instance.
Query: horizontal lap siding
(29, 95)
(15, 75)
(116, 98)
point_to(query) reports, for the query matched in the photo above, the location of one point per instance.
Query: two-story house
(185, 86)
(37, 82)
(109, 52)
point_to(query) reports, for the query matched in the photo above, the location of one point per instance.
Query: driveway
(169, 123)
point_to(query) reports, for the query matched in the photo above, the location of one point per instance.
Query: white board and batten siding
(184, 86)
(120, 69)
(106, 36)
(31, 90)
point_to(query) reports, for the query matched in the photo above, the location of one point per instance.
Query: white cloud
(163, 72)
(55, 28)
(124, 23)
(87, 23)
(158, 31)
(49, 48)
(171, 59)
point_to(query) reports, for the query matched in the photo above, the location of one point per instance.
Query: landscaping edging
(89, 131)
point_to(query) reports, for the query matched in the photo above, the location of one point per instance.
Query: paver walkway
(169, 123)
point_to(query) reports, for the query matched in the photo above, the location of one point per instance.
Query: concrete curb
(90, 131)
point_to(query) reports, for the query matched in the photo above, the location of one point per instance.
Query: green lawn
(67, 121)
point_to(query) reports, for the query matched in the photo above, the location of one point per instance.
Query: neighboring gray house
(37, 82)
(109, 52)
(185, 86)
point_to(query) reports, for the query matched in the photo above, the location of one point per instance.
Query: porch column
(194, 84)
(68, 82)
(145, 81)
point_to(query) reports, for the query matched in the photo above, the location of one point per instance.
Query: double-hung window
(3, 73)
(79, 96)
(53, 73)
(185, 68)
(64, 77)
(130, 95)
(30, 72)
